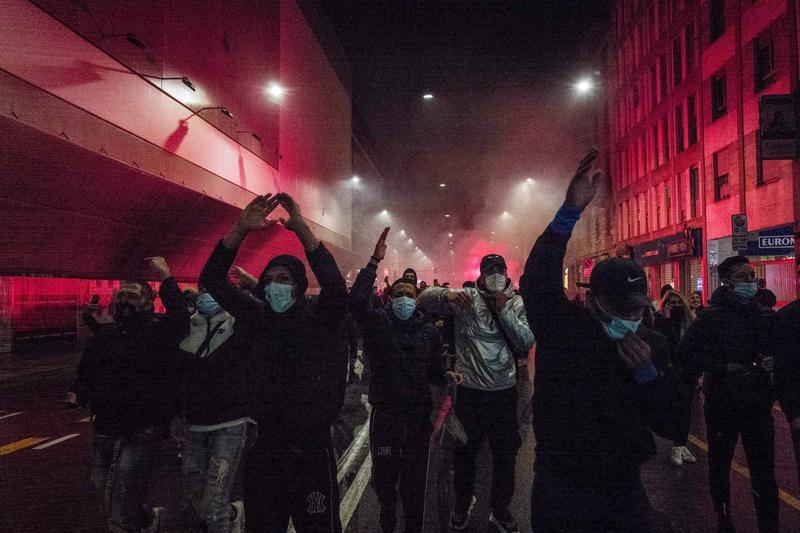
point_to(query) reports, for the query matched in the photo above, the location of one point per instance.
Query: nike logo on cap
(632, 280)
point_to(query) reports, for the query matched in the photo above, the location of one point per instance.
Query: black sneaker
(503, 521)
(459, 518)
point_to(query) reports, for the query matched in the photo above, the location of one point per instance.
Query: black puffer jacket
(730, 331)
(591, 419)
(405, 355)
(786, 349)
(298, 358)
(130, 373)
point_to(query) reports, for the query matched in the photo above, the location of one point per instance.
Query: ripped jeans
(210, 464)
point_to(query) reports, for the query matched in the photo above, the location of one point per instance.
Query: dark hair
(726, 268)
(467, 284)
(147, 289)
(665, 289)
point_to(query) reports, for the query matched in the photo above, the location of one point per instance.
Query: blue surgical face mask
(745, 290)
(207, 305)
(618, 328)
(279, 296)
(403, 307)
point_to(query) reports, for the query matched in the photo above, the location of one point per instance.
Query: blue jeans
(121, 471)
(210, 462)
(558, 506)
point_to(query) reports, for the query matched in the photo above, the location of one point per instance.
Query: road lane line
(20, 444)
(57, 441)
(787, 498)
(10, 415)
(353, 496)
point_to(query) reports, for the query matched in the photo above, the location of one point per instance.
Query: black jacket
(299, 366)
(591, 419)
(786, 339)
(218, 385)
(130, 372)
(404, 355)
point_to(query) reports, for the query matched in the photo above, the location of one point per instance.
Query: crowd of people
(250, 372)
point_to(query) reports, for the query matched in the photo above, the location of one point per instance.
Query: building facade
(684, 82)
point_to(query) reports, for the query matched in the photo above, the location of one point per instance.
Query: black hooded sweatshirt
(129, 375)
(404, 355)
(591, 419)
(299, 366)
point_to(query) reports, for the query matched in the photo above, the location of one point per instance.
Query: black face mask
(676, 314)
(124, 311)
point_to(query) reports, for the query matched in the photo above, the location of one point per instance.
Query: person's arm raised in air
(214, 276)
(443, 301)
(332, 303)
(541, 285)
(361, 292)
(174, 325)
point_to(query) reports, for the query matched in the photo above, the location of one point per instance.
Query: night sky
(503, 110)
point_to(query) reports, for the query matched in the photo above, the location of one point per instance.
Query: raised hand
(242, 278)
(254, 216)
(295, 220)
(380, 246)
(634, 352)
(583, 186)
(159, 267)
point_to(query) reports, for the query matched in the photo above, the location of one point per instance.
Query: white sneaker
(676, 457)
(687, 456)
(159, 514)
(237, 524)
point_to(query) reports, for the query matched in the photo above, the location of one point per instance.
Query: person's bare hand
(242, 278)
(634, 352)
(500, 299)
(768, 364)
(460, 299)
(456, 378)
(159, 267)
(583, 186)
(254, 216)
(380, 246)
(71, 398)
(291, 206)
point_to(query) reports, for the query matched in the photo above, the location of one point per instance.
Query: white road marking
(355, 492)
(10, 415)
(56, 441)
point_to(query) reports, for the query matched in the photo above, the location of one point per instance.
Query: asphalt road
(44, 474)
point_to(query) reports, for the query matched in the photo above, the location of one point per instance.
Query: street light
(275, 90)
(427, 96)
(584, 86)
(355, 179)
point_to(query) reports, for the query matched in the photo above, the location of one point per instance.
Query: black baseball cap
(491, 260)
(622, 281)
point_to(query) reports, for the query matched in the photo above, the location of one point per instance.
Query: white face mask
(495, 282)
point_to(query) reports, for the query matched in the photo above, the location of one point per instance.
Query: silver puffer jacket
(482, 354)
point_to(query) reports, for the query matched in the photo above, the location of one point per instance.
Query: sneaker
(237, 521)
(503, 521)
(687, 456)
(159, 515)
(676, 457)
(459, 518)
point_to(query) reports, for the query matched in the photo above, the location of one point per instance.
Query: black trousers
(796, 443)
(725, 422)
(399, 447)
(685, 415)
(491, 414)
(296, 481)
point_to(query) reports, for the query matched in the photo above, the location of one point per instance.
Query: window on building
(719, 97)
(667, 205)
(694, 191)
(681, 194)
(636, 96)
(689, 46)
(677, 62)
(764, 63)
(721, 167)
(665, 138)
(663, 13)
(656, 155)
(651, 23)
(716, 19)
(658, 220)
(662, 67)
(679, 129)
(691, 121)
(638, 215)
